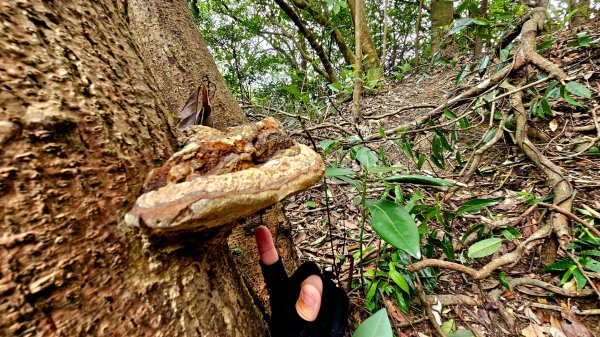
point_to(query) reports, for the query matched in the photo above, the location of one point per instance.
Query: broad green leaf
(449, 114)
(335, 87)
(579, 279)
(483, 65)
(438, 162)
(395, 226)
(378, 325)
(459, 25)
(504, 53)
(592, 265)
(481, 21)
(328, 144)
(398, 278)
(475, 205)
(407, 148)
(366, 157)
(504, 280)
(350, 181)
(546, 107)
(461, 75)
(578, 89)
(421, 161)
(448, 326)
(570, 100)
(463, 122)
(418, 179)
(484, 248)
(338, 171)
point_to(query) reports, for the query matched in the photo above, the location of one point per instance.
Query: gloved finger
(266, 247)
(303, 272)
(309, 301)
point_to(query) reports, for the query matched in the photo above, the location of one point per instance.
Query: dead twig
(572, 216)
(573, 310)
(425, 302)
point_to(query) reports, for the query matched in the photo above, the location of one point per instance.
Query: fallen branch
(411, 107)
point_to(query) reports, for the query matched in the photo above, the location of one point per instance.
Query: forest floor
(504, 174)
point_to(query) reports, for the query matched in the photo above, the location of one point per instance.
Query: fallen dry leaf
(532, 330)
(572, 326)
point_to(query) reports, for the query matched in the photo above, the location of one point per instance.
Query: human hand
(305, 304)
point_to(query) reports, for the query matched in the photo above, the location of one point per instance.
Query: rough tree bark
(371, 65)
(442, 12)
(83, 118)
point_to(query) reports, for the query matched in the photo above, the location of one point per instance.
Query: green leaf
(570, 100)
(386, 169)
(437, 162)
(578, 89)
(378, 325)
(481, 21)
(449, 114)
(459, 25)
(311, 204)
(560, 265)
(338, 171)
(421, 161)
(475, 205)
(407, 148)
(328, 144)
(461, 75)
(504, 53)
(335, 87)
(448, 326)
(398, 279)
(579, 279)
(463, 122)
(350, 181)
(484, 248)
(592, 265)
(504, 280)
(366, 157)
(546, 107)
(418, 179)
(483, 65)
(395, 226)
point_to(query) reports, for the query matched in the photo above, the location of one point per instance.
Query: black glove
(332, 319)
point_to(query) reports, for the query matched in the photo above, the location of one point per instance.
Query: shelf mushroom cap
(218, 178)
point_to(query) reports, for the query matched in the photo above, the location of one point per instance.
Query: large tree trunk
(371, 64)
(171, 47)
(442, 12)
(84, 115)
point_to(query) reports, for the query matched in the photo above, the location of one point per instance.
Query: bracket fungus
(219, 177)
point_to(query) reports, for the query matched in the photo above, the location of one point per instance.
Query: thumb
(309, 301)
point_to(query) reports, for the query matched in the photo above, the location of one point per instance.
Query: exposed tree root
(486, 270)
(563, 191)
(524, 281)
